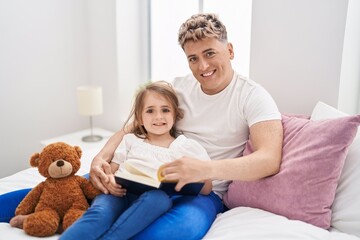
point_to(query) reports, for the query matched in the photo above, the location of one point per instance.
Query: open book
(138, 176)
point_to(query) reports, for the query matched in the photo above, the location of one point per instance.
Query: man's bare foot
(18, 221)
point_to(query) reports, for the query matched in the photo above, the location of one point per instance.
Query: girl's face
(157, 115)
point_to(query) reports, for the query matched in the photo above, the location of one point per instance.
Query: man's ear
(231, 51)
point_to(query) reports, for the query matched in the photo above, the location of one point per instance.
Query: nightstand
(75, 139)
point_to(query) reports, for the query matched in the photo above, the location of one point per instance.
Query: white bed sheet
(255, 224)
(10, 233)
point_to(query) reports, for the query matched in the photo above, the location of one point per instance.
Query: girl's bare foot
(18, 221)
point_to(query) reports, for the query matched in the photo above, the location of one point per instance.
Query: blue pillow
(9, 202)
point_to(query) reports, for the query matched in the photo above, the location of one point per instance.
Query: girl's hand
(114, 188)
(186, 170)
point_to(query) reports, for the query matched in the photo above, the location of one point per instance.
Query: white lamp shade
(90, 100)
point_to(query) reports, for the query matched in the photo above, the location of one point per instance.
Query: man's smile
(208, 74)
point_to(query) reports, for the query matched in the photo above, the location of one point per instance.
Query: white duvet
(255, 224)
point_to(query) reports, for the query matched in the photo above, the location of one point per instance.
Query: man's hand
(100, 167)
(186, 170)
(99, 171)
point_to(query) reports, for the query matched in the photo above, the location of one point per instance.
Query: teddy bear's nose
(60, 163)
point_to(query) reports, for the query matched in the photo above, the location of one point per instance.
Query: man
(221, 110)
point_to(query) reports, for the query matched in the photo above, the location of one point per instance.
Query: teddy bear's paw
(41, 224)
(71, 216)
(18, 221)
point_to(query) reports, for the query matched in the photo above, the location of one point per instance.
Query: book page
(128, 179)
(141, 168)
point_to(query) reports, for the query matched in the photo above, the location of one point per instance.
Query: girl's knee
(159, 194)
(159, 197)
(106, 206)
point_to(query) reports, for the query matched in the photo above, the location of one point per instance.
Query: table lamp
(90, 104)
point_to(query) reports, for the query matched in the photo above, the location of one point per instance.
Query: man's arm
(100, 167)
(266, 138)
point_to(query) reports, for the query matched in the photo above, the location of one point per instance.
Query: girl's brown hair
(162, 88)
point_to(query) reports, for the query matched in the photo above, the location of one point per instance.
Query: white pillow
(346, 206)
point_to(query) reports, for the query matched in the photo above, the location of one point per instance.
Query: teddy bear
(57, 202)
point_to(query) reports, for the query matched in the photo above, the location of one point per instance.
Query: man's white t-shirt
(220, 122)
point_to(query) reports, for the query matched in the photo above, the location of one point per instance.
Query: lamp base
(92, 138)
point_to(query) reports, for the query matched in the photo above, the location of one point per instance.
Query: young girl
(152, 138)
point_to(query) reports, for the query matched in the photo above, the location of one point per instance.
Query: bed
(327, 207)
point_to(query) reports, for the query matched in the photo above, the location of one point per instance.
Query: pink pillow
(313, 156)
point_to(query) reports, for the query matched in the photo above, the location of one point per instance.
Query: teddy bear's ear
(78, 150)
(34, 160)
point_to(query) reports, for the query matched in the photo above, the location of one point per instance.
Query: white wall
(296, 51)
(118, 54)
(47, 48)
(349, 92)
(101, 48)
(132, 50)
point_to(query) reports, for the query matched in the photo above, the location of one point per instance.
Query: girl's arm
(207, 188)
(114, 167)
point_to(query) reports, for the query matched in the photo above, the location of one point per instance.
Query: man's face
(209, 61)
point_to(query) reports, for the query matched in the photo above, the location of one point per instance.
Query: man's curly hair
(200, 26)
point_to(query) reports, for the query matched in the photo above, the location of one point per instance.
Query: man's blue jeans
(130, 217)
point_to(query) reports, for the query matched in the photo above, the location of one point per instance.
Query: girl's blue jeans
(150, 216)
